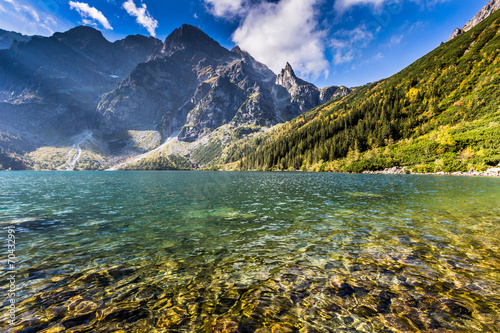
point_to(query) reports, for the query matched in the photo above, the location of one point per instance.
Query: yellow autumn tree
(413, 95)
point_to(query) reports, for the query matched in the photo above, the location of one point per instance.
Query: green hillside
(439, 114)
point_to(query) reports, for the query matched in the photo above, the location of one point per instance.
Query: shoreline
(389, 171)
(492, 172)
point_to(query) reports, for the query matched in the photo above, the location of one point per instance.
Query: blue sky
(327, 42)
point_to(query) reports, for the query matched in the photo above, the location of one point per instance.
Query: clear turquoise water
(241, 252)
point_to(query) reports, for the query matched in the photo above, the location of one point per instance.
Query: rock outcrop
(300, 95)
(490, 8)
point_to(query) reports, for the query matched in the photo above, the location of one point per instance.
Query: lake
(247, 251)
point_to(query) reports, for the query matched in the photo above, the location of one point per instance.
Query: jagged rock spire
(288, 68)
(287, 76)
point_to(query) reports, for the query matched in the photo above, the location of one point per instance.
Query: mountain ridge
(190, 103)
(193, 39)
(483, 13)
(8, 37)
(134, 93)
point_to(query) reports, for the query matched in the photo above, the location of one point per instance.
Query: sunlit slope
(439, 114)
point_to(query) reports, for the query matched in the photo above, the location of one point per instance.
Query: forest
(439, 114)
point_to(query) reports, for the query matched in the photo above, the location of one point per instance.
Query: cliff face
(490, 8)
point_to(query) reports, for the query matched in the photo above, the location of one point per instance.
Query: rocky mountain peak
(456, 32)
(139, 39)
(139, 44)
(81, 34)
(491, 7)
(287, 77)
(291, 82)
(289, 69)
(265, 73)
(86, 40)
(238, 50)
(193, 39)
(243, 54)
(8, 37)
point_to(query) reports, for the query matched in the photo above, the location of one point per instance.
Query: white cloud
(30, 18)
(361, 35)
(287, 31)
(347, 44)
(86, 11)
(395, 40)
(32, 12)
(374, 59)
(417, 26)
(342, 57)
(429, 3)
(276, 32)
(342, 5)
(227, 8)
(50, 20)
(142, 16)
(89, 22)
(358, 37)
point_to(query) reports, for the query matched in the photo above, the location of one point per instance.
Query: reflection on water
(253, 252)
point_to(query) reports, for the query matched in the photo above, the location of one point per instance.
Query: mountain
(8, 37)
(486, 11)
(201, 96)
(76, 100)
(304, 95)
(194, 85)
(441, 113)
(50, 86)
